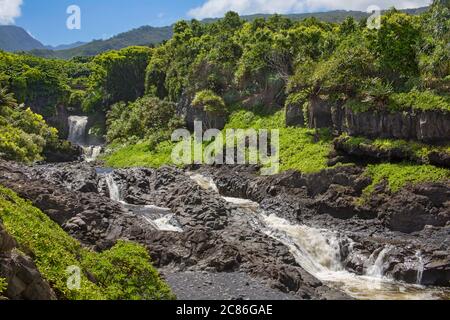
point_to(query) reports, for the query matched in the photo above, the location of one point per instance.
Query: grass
(412, 149)
(298, 148)
(304, 150)
(141, 155)
(398, 175)
(123, 272)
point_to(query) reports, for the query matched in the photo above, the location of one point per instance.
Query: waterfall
(159, 218)
(318, 251)
(378, 268)
(420, 267)
(77, 135)
(114, 191)
(91, 153)
(77, 129)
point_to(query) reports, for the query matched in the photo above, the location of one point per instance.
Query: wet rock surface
(218, 237)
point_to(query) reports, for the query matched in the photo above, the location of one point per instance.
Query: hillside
(145, 35)
(66, 46)
(14, 38)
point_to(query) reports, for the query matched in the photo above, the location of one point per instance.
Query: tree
(120, 75)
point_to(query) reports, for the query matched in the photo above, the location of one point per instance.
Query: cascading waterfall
(378, 268)
(420, 267)
(159, 218)
(113, 188)
(77, 135)
(318, 252)
(77, 129)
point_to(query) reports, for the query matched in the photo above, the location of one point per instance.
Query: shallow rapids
(318, 252)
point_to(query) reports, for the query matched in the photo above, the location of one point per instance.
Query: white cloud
(217, 8)
(9, 10)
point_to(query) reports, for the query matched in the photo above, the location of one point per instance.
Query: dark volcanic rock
(295, 116)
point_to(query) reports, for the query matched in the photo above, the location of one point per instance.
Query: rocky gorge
(228, 233)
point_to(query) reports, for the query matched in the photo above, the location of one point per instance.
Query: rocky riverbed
(227, 233)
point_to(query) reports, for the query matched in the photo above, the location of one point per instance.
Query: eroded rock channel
(227, 233)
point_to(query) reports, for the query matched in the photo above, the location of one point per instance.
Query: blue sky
(46, 19)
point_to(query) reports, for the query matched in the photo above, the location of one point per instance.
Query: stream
(318, 251)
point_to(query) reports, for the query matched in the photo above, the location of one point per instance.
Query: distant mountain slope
(335, 16)
(147, 35)
(13, 38)
(141, 36)
(66, 46)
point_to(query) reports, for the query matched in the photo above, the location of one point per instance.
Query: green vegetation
(423, 101)
(147, 118)
(400, 175)
(209, 102)
(143, 36)
(3, 285)
(410, 149)
(42, 84)
(117, 76)
(123, 272)
(23, 134)
(300, 149)
(142, 154)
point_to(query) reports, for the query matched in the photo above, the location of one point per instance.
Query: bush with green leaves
(23, 134)
(147, 118)
(208, 101)
(123, 272)
(399, 175)
(3, 285)
(118, 75)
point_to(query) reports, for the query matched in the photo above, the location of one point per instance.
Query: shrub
(3, 285)
(145, 118)
(399, 175)
(210, 102)
(420, 100)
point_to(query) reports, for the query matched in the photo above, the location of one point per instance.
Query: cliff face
(423, 126)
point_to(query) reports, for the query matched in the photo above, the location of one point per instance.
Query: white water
(91, 153)
(378, 267)
(166, 221)
(420, 267)
(318, 251)
(204, 182)
(113, 188)
(77, 135)
(77, 129)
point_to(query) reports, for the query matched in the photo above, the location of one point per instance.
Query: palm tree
(7, 99)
